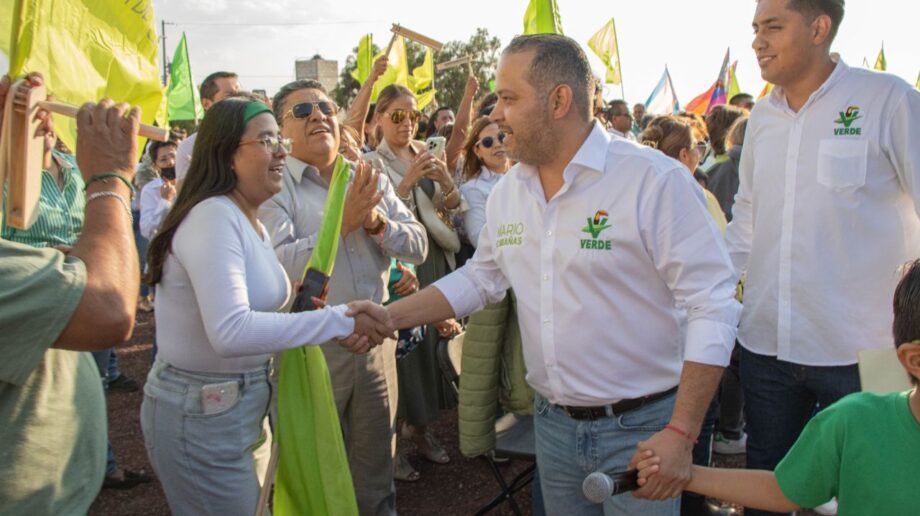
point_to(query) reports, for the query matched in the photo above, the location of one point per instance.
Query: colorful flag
(881, 64)
(604, 44)
(733, 87)
(715, 95)
(767, 89)
(542, 17)
(313, 474)
(663, 100)
(86, 50)
(397, 71)
(182, 96)
(364, 62)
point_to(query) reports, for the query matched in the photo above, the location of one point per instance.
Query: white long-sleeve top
(219, 292)
(476, 192)
(153, 208)
(826, 212)
(603, 272)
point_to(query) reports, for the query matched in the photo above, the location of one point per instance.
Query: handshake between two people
(373, 325)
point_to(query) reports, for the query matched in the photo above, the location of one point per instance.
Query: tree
(450, 84)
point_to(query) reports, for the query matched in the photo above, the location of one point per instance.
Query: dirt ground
(460, 487)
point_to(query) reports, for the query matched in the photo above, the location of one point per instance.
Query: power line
(283, 24)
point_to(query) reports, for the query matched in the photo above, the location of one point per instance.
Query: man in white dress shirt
(825, 214)
(621, 121)
(606, 244)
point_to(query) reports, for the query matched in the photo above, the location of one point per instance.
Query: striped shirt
(60, 211)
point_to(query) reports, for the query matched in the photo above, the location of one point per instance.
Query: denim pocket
(649, 418)
(540, 404)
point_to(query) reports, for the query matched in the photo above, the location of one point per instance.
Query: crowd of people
(650, 288)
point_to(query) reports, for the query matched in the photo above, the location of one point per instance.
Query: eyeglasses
(398, 115)
(488, 141)
(272, 143)
(305, 109)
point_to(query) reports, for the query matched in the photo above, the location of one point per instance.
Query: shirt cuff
(709, 342)
(344, 325)
(461, 292)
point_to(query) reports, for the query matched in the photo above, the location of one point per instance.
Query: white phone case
(218, 397)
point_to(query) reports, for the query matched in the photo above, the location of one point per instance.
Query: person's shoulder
(213, 213)
(858, 407)
(877, 82)
(628, 157)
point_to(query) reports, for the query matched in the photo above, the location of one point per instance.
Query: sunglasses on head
(489, 141)
(398, 115)
(305, 109)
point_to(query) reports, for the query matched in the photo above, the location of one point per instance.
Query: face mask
(168, 173)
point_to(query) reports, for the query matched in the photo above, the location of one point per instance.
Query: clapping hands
(372, 327)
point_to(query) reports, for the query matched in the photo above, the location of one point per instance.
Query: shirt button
(546, 277)
(549, 232)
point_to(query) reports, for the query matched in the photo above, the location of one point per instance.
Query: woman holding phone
(424, 184)
(219, 286)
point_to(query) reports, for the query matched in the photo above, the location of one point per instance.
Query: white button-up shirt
(825, 213)
(603, 272)
(476, 193)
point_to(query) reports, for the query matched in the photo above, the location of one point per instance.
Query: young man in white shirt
(606, 244)
(825, 213)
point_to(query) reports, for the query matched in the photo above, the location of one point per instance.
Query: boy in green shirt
(864, 449)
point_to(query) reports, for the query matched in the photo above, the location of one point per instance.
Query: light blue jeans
(207, 464)
(568, 450)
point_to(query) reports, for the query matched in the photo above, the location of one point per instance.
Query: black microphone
(599, 486)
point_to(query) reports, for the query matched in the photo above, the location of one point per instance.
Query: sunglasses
(398, 115)
(305, 109)
(488, 141)
(272, 143)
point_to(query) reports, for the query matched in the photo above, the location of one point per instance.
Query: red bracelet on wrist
(686, 435)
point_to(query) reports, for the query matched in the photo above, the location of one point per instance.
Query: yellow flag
(364, 61)
(918, 81)
(881, 64)
(766, 91)
(86, 50)
(422, 76)
(397, 71)
(604, 44)
(542, 17)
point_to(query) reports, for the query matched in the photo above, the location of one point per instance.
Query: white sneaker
(827, 509)
(724, 446)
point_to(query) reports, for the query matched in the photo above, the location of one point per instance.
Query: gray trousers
(366, 392)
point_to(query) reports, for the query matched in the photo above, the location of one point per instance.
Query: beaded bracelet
(104, 178)
(99, 195)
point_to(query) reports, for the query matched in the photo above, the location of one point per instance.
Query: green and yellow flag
(542, 17)
(397, 71)
(422, 77)
(604, 44)
(733, 87)
(313, 475)
(918, 81)
(182, 96)
(364, 61)
(881, 64)
(86, 50)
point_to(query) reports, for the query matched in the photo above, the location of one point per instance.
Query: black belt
(614, 409)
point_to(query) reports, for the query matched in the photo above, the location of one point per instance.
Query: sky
(261, 39)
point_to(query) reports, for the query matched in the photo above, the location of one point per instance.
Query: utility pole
(165, 59)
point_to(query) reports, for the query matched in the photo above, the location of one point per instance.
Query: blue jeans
(779, 399)
(208, 464)
(568, 450)
(107, 362)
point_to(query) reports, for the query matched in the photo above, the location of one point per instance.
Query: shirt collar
(297, 168)
(593, 152)
(778, 96)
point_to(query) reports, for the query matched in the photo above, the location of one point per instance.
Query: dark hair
(209, 86)
(210, 174)
(557, 60)
(154, 148)
(669, 134)
(718, 122)
(431, 130)
(370, 113)
(811, 9)
(487, 104)
(906, 325)
(279, 99)
(471, 162)
(741, 99)
(618, 103)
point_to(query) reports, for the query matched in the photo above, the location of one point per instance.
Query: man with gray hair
(376, 226)
(609, 247)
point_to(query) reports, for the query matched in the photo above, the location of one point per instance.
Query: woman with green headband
(219, 289)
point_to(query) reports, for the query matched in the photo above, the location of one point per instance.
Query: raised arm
(359, 108)
(462, 123)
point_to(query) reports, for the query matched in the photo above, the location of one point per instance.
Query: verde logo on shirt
(846, 120)
(510, 234)
(594, 228)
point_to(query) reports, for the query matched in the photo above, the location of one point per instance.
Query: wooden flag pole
(159, 134)
(453, 63)
(416, 37)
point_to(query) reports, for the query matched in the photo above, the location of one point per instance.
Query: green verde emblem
(846, 120)
(594, 228)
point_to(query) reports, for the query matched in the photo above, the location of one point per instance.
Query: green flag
(397, 71)
(604, 44)
(422, 76)
(364, 62)
(182, 95)
(881, 64)
(733, 87)
(918, 81)
(313, 476)
(542, 17)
